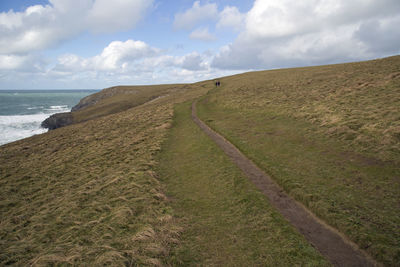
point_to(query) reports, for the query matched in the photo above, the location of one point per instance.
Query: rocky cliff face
(57, 120)
(106, 102)
(90, 100)
(63, 119)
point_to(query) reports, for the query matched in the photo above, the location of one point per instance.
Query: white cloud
(194, 62)
(131, 57)
(273, 18)
(40, 27)
(132, 62)
(112, 66)
(156, 63)
(288, 33)
(11, 62)
(22, 63)
(202, 34)
(195, 15)
(230, 17)
(117, 56)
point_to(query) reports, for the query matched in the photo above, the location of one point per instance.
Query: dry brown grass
(120, 98)
(87, 193)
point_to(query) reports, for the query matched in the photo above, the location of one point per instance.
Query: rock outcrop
(57, 120)
(87, 102)
(93, 99)
(63, 119)
(101, 105)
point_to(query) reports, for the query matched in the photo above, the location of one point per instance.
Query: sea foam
(15, 127)
(61, 108)
(22, 112)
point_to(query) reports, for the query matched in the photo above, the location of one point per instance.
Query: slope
(93, 193)
(87, 194)
(329, 135)
(226, 221)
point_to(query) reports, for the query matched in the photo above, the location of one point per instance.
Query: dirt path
(334, 246)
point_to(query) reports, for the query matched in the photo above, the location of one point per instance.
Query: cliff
(57, 120)
(108, 101)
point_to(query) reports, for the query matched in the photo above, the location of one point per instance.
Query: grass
(329, 136)
(123, 187)
(87, 194)
(120, 98)
(225, 220)
(86, 199)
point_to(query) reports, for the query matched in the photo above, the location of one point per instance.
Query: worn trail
(334, 246)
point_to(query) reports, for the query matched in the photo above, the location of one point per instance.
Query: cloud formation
(230, 17)
(195, 16)
(282, 33)
(130, 57)
(19, 62)
(117, 56)
(194, 62)
(202, 34)
(272, 34)
(134, 62)
(40, 27)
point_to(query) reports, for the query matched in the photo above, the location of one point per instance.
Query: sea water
(22, 111)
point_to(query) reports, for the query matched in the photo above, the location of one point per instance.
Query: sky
(94, 44)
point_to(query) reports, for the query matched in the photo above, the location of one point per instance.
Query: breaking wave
(15, 127)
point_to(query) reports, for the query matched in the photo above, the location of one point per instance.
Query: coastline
(22, 111)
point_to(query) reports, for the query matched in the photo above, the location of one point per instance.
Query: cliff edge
(108, 101)
(57, 120)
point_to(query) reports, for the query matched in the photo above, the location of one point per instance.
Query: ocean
(22, 111)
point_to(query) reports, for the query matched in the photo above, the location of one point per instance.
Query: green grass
(329, 136)
(225, 220)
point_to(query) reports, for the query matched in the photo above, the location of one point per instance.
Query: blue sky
(72, 44)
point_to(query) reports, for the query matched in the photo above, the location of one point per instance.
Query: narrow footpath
(333, 245)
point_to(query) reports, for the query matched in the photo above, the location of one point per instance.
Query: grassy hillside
(226, 221)
(135, 182)
(330, 136)
(120, 98)
(87, 194)
(91, 194)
